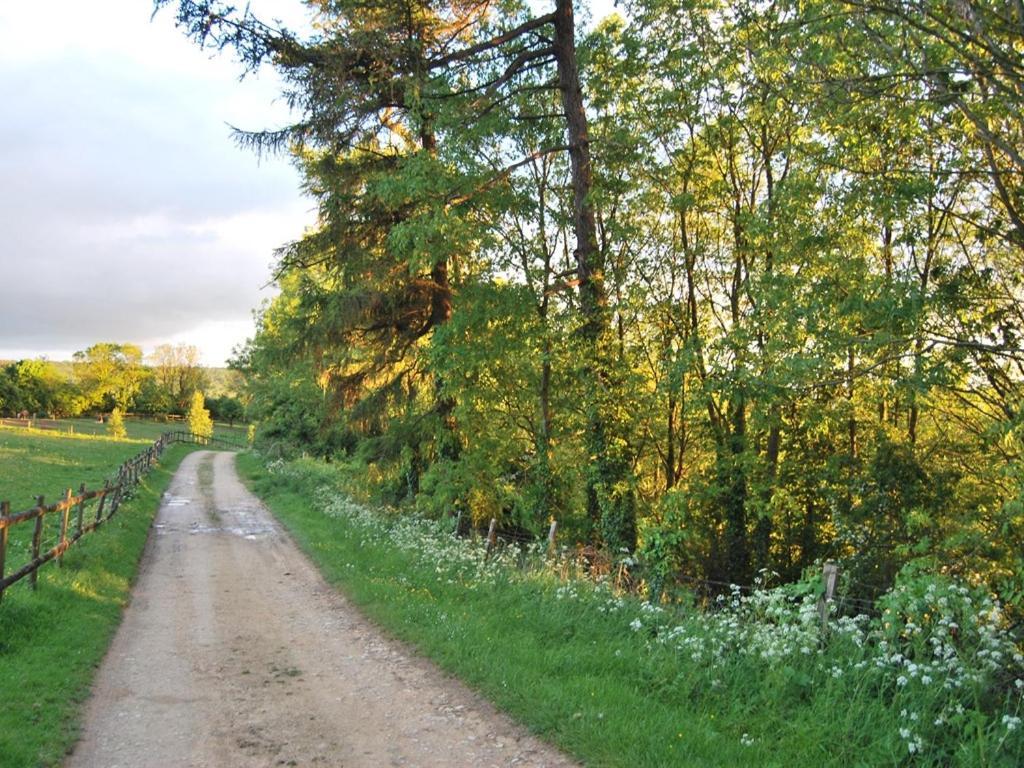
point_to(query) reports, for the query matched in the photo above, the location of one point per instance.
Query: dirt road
(235, 652)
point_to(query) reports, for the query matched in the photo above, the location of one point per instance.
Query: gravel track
(234, 652)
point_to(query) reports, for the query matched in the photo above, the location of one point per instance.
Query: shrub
(199, 420)
(115, 424)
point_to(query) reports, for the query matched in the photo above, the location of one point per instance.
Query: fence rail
(72, 509)
(51, 424)
(183, 436)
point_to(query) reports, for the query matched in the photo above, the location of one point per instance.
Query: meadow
(933, 679)
(52, 639)
(34, 462)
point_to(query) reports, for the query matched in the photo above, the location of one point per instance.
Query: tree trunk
(610, 502)
(734, 487)
(448, 446)
(670, 441)
(763, 530)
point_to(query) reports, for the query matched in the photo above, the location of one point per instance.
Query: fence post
(81, 509)
(830, 574)
(5, 509)
(103, 500)
(116, 501)
(65, 513)
(492, 537)
(37, 539)
(551, 537)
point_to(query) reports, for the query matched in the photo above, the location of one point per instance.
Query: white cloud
(126, 211)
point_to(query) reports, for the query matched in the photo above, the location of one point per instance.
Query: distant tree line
(109, 376)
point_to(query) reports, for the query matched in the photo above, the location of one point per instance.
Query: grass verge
(616, 682)
(52, 640)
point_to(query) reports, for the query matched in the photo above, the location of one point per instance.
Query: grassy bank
(617, 682)
(52, 640)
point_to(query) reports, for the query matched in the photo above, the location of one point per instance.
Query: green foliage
(226, 408)
(109, 375)
(796, 337)
(35, 387)
(199, 422)
(176, 376)
(115, 424)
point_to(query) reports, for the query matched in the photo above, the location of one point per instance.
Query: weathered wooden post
(551, 537)
(5, 510)
(103, 500)
(81, 510)
(492, 537)
(65, 513)
(37, 539)
(830, 574)
(116, 500)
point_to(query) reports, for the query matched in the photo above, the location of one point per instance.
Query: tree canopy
(736, 285)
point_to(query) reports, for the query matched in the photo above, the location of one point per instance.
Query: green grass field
(33, 463)
(145, 429)
(52, 640)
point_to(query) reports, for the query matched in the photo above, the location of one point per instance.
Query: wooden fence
(183, 436)
(74, 523)
(51, 424)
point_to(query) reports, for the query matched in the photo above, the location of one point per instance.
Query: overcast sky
(126, 211)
